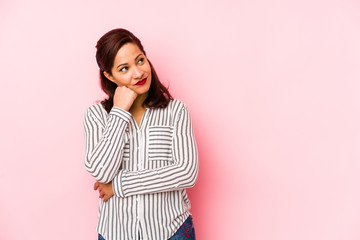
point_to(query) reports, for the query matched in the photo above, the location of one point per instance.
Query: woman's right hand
(124, 97)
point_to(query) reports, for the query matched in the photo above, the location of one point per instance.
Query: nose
(138, 73)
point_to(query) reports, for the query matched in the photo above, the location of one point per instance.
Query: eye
(141, 61)
(123, 69)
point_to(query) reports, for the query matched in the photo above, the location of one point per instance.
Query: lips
(141, 82)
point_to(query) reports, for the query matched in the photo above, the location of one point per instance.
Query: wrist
(125, 108)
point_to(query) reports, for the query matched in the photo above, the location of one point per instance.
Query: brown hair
(107, 48)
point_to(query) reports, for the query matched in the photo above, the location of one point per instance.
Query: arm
(182, 174)
(105, 143)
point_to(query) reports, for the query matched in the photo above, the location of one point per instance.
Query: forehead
(127, 52)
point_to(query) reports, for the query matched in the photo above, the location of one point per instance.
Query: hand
(124, 97)
(105, 190)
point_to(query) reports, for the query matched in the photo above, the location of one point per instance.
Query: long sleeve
(105, 142)
(179, 175)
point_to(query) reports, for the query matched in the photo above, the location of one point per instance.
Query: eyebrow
(127, 63)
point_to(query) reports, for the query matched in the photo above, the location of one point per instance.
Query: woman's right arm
(104, 142)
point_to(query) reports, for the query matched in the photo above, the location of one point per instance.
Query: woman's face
(131, 69)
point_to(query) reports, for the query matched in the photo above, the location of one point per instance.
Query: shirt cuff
(120, 113)
(117, 186)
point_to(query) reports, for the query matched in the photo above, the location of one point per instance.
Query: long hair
(107, 48)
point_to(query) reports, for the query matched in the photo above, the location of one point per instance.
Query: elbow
(189, 183)
(97, 171)
(195, 172)
(100, 176)
(194, 169)
(192, 177)
(193, 180)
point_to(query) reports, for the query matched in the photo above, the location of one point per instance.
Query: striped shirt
(150, 166)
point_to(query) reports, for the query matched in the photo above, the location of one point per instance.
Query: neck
(138, 103)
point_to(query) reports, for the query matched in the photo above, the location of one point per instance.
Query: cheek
(147, 68)
(123, 80)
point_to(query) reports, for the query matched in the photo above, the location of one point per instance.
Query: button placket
(139, 212)
(140, 150)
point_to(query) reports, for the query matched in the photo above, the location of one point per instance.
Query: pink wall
(272, 87)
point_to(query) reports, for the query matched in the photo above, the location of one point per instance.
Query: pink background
(272, 87)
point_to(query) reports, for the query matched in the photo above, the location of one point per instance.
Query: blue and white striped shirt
(150, 165)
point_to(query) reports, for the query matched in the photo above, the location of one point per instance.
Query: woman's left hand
(105, 190)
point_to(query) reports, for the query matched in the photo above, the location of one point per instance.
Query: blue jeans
(100, 237)
(186, 231)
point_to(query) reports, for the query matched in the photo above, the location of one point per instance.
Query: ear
(108, 76)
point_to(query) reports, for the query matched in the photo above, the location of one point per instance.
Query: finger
(96, 185)
(100, 193)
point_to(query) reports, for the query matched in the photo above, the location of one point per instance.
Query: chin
(147, 87)
(143, 91)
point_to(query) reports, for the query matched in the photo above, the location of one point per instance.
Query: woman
(140, 147)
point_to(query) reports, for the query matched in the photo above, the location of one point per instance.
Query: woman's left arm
(182, 174)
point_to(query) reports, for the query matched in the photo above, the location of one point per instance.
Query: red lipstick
(141, 82)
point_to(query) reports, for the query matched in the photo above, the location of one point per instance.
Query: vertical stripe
(155, 161)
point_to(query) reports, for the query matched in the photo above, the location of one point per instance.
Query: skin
(130, 66)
